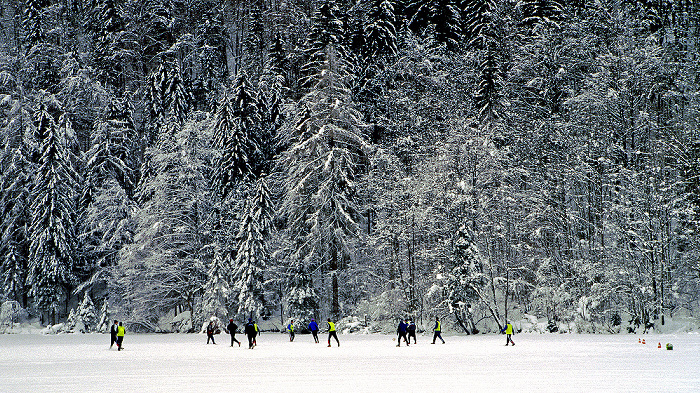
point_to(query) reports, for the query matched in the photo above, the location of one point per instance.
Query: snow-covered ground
(363, 363)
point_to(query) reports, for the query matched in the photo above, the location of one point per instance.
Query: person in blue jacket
(438, 331)
(313, 327)
(290, 329)
(402, 330)
(508, 330)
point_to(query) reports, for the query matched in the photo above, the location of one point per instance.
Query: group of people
(313, 328)
(117, 335)
(250, 330)
(407, 329)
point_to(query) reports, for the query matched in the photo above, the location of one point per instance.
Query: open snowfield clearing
(183, 363)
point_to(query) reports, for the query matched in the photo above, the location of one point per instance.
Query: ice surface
(364, 363)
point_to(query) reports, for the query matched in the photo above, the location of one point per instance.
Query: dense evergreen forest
(474, 159)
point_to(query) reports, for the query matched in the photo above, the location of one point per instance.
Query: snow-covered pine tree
(465, 282)
(478, 16)
(211, 37)
(541, 11)
(380, 30)
(32, 22)
(15, 183)
(52, 252)
(104, 321)
(114, 145)
(177, 98)
(71, 321)
(326, 32)
(302, 297)
(87, 314)
(252, 255)
(320, 172)
(233, 145)
(164, 266)
(106, 24)
(217, 290)
(442, 16)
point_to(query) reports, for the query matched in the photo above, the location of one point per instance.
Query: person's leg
(435, 336)
(250, 341)
(439, 334)
(335, 335)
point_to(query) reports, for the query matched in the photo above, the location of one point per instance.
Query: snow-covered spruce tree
(15, 183)
(113, 152)
(326, 31)
(217, 290)
(165, 267)
(541, 11)
(106, 25)
(320, 170)
(442, 16)
(477, 19)
(52, 251)
(465, 282)
(233, 148)
(302, 297)
(211, 39)
(380, 30)
(252, 256)
(104, 321)
(87, 314)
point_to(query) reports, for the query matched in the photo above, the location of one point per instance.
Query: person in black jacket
(232, 327)
(113, 333)
(251, 332)
(210, 332)
(412, 331)
(402, 330)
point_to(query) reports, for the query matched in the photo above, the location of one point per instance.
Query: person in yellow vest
(332, 333)
(437, 331)
(508, 329)
(290, 329)
(120, 336)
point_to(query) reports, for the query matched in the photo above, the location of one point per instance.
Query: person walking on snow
(508, 329)
(290, 328)
(438, 330)
(412, 331)
(232, 328)
(313, 326)
(402, 330)
(120, 336)
(113, 333)
(251, 332)
(332, 333)
(210, 332)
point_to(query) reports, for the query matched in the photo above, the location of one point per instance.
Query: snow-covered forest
(473, 159)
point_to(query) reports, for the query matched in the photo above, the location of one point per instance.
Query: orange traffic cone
(640, 340)
(644, 342)
(659, 345)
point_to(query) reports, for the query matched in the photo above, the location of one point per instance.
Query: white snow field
(363, 363)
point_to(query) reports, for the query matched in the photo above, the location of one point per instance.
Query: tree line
(381, 157)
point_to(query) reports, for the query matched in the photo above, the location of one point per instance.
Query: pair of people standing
(406, 330)
(251, 330)
(313, 327)
(117, 335)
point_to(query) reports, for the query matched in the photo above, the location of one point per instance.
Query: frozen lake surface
(180, 362)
